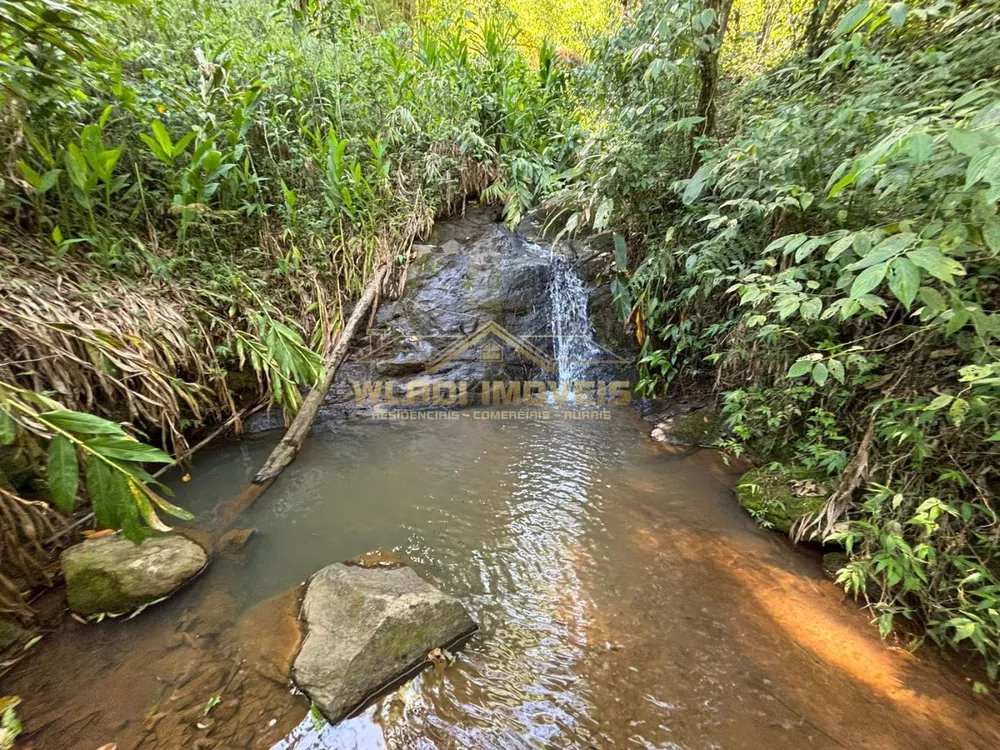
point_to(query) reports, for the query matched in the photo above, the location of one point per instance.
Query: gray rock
(111, 574)
(368, 627)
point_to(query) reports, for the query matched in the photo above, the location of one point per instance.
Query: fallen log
(285, 451)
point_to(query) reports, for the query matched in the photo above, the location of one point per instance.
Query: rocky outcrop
(111, 574)
(472, 273)
(777, 499)
(367, 627)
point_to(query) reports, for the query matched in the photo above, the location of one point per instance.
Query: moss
(11, 633)
(93, 591)
(766, 494)
(698, 428)
(406, 640)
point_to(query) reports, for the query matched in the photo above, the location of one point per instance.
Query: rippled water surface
(624, 599)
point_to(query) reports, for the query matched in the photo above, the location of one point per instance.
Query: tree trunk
(709, 63)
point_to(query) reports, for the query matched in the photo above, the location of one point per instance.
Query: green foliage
(214, 181)
(120, 488)
(832, 259)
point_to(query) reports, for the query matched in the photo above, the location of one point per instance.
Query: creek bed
(624, 600)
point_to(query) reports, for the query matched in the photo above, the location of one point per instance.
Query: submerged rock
(111, 574)
(696, 429)
(234, 540)
(368, 627)
(777, 499)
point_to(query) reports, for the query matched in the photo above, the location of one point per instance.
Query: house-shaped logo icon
(493, 338)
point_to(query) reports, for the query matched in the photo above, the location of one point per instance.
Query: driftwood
(285, 451)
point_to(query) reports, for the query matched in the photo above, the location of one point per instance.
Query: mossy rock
(698, 428)
(768, 495)
(111, 574)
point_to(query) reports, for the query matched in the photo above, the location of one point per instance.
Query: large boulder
(111, 574)
(777, 499)
(367, 627)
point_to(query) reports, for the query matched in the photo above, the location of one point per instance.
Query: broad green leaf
(904, 280)
(837, 248)
(991, 235)
(836, 368)
(127, 449)
(936, 264)
(897, 14)
(959, 317)
(964, 628)
(621, 253)
(957, 411)
(49, 179)
(966, 141)
(8, 428)
(883, 251)
(984, 167)
(162, 137)
(868, 280)
(800, 368)
(811, 308)
(920, 146)
(932, 299)
(184, 142)
(852, 18)
(819, 373)
(156, 148)
(63, 473)
(939, 403)
(603, 213)
(80, 422)
(34, 179)
(100, 488)
(696, 184)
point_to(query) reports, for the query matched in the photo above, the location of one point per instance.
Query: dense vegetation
(192, 190)
(825, 248)
(803, 197)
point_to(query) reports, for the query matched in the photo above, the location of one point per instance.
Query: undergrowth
(195, 188)
(829, 255)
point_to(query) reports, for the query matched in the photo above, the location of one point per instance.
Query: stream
(623, 597)
(624, 600)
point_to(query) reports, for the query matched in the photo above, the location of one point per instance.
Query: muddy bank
(206, 673)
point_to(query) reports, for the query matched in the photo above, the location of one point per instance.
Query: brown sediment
(210, 678)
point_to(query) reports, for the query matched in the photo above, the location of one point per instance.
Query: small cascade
(574, 347)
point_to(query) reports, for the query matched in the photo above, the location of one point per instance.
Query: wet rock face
(368, 627)
(452, 290)
(111, 574)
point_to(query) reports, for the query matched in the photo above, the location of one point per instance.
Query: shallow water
(624, 600)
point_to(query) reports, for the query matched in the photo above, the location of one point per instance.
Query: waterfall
(573, 334)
